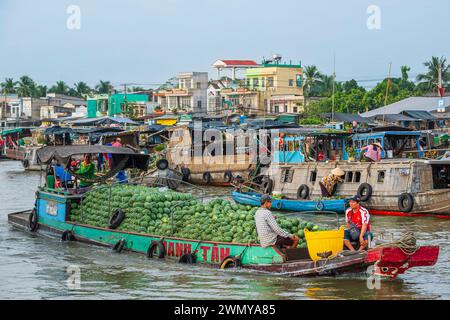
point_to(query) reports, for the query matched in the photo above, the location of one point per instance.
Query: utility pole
(387, 86)
(334, 80)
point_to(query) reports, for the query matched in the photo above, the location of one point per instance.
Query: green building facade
(111, 105)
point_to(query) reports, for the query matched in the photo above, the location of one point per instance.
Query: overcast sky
(149, 41)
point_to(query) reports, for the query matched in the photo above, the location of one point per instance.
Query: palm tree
(104, 87)
(312, 77)
(27, 87)
(405, 70)
(431, 79)
(41, 91)
(60, 88)
(9, 86)
(326, 85)
(82, 88)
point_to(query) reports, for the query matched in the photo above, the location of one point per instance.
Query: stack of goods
(169, 213)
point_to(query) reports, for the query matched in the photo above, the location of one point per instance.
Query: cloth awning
(63, 155)
(102, 121)
(58, 130)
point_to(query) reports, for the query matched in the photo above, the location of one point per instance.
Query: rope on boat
(407, 243)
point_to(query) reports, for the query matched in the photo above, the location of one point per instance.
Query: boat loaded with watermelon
(175, 226)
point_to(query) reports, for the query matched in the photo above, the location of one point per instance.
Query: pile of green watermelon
(151, 211)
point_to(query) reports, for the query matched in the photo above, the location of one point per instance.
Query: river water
(35, 267)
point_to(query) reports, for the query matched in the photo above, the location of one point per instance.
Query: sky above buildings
(149, 41)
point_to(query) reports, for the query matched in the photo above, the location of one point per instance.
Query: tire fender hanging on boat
(364, 191)
(268, 186)
(207, 177)
(188, 258)
(230, 262)
(406, 202)
(303, 192)
(186, 173)
(227, 176)
(153, 246)
(116, 219)
(33, 220)
(68, 235)
(118, 247)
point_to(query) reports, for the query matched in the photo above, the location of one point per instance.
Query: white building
(189, 96)
(214, 96)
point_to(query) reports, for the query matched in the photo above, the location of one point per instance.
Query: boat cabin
(396, 144)
(298, 146)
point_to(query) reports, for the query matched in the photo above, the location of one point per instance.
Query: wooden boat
(206, 168)
(253, 199)
(394, 184)
(389, 261)
(51, 213)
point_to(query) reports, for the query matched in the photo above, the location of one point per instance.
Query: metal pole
(334, 78)
(387, 87)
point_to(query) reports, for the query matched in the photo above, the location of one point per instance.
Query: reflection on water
(34, 267)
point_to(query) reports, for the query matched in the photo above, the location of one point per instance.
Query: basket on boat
(324, 241)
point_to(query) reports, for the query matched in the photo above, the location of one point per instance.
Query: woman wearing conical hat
(372, 152)
(328, 183)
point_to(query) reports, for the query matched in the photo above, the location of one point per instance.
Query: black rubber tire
(68, 235)
(162, 164)
(186, 174)
(268, 186)
(153, 246)
(303, 192)
(25, 163)
(118, 247)
(409, 202)
(33, 221)
(116, 219)
(227, 176)
(230, 262)
(364, 192)
(188, 258)
(207, 177)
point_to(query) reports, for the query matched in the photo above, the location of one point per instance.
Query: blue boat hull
(253, 199)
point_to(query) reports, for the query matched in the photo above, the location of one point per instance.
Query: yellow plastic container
(323, 241)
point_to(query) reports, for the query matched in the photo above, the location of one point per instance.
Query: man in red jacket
(357, 218)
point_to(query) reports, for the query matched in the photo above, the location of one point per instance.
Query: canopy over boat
(63, 154)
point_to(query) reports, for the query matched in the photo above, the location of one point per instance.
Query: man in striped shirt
(357, 217)
(269, 232)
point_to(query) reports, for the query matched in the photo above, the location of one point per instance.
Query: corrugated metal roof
(347, 117)
(394, 117)
(420, 115)
(412, 103)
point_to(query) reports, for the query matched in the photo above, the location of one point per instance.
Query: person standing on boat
(269, 232)
(372, 152)
(87, 170)
(357, 219)
(328, 183)
(121, 176)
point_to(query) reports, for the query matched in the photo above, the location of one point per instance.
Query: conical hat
(338, 172)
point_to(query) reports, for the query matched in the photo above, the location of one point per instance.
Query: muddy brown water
(35, 267)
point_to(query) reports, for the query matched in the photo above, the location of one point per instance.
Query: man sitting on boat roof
(358, 225)
(328, 183)
(269, 232)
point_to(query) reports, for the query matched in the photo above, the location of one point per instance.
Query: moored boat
(324, 205)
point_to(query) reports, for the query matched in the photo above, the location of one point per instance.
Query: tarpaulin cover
(63, 155)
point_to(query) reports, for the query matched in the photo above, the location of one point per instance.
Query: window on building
(277, 109)
(255, 82)
(291, 82)
(199, 104)
(263, 82)
(295, 109)
(199, 85)
(285, 108)
(248, 83)
(270, 81)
